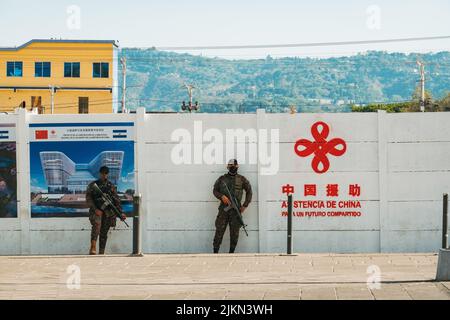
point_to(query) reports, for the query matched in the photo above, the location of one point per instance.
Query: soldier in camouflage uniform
(99, 221)
(236, 184)
(8, 205)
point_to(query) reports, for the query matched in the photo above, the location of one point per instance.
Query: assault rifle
(108, 206)
(233, 206)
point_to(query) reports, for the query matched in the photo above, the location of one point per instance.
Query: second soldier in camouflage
(237, 184)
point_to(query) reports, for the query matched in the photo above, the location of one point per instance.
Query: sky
(148, 23)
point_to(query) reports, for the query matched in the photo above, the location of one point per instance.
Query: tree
(417, 96)
(444, 104)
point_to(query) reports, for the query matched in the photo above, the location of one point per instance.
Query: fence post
(289, 225)
(136, 232)
(445, 222)
(443, 267)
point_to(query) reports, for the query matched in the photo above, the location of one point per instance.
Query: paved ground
(238, 276)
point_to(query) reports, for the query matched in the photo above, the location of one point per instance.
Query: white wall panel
(415, 215)
(77, 241)
(198, 242)
(419, 127)
(369, 219)
(173, 186)
(326, 241)
(418, 186)
(419, 156)
(413, 241)
(192, 215)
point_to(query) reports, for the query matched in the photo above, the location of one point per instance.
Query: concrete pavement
(223, 276)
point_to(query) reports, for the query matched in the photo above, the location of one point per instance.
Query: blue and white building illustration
(63, 175)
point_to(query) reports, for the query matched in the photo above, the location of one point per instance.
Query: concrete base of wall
(443, 269)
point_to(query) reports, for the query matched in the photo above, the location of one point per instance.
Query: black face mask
(232, 170)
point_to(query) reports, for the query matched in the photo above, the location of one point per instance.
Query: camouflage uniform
(5, 205)
(236, 184)
(101, 224)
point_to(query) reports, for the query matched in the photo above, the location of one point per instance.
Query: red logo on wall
(320, 147)
(41, 134)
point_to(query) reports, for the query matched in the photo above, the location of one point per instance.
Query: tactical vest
(238, 189)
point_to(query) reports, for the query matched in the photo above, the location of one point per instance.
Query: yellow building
(60, 76)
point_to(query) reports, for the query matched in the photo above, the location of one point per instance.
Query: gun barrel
(236, 208)
(109, 203)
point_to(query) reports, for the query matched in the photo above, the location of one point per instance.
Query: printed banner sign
(66, 157)
(81, 131)
(8, 170)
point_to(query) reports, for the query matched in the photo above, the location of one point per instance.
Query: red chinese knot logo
(320, 147)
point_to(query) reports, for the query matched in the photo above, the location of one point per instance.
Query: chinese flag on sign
(41, 134)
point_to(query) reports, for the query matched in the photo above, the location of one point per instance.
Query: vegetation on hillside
(362, 82)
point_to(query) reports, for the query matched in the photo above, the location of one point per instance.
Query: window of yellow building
(71, 69)
(14, 68)
(42, 69)
(100, 70)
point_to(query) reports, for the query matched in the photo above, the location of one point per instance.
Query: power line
(300, 45)
(232, 47)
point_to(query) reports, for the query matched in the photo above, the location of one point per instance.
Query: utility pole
(52, 97)
(123, 62)
(191, 105)
(422, 85)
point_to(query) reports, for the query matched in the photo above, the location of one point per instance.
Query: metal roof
(113, 42)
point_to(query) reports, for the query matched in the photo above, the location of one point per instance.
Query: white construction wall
(401, 162)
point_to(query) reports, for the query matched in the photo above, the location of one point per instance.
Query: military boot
(216, 250)
(102, 246)
(92, 250)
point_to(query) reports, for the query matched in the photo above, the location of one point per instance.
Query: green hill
(155, 80)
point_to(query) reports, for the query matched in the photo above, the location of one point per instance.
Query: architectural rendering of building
(63, 175)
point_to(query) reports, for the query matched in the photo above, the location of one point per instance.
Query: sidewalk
(237, 276)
